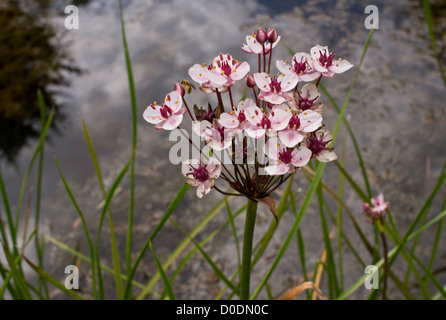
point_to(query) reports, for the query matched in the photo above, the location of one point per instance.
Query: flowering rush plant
(268, 136)
(257, 142)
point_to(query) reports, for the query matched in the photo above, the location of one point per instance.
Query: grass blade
(114, 245)
(30, 165)
(173, 205)
(211, 214)
(98, 234)
(134, 139)
(53, 281)
(218, 272)
(84, 225)
(163, 275)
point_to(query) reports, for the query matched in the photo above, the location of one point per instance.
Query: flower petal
(310, 121)
(274, 98)
(152, 114)
(310, 91)
(240, 71)
(216, 78)
(326, 155)
(317, 50)
(198, 73)
(300, 156)
(172, 122)
(229, 120)
(173, 101)
(253, 44)
(255, 132)
(277, 169)
(340, 66)
(254, 115)
(290, 137)
(283, 67)
(288, 81)
(273, 147)
(262, 80)
(279, 119)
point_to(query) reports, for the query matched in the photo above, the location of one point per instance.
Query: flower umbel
(377, 210)
(279, 128)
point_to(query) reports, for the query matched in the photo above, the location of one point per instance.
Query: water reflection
(32, 58)
(397, 112)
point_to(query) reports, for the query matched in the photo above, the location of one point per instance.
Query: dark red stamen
(200, 173)
(275, 85)
(317, 144)
(325, 60)
(300, 67)
(285, 156)
(294, 122)
(165, 111)
(304, 103)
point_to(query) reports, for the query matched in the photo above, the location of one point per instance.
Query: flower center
(304, 103)
(221, 131)
(317, 144)
(325, 60)
(226, 68)
(165, 111)
(294, 122)
(275, 85)
(241, 117)
(265, 123)
(200, 173)
(285, 156)
(300, 67)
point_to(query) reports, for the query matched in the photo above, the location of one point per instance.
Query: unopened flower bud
(179, 88)
(261, 35)
(249, 80)
(272, 35)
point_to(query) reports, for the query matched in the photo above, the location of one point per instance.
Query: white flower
(201, 174)
(322, 61)
(216, 136)
(283, 159)
(274, 90)
(300, 67)
(167, 116)
(266, 122)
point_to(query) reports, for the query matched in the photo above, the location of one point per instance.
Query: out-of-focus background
(397, 114)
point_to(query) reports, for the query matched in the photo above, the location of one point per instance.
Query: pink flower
(322, 61)
(236, 119)
(300, 67)
(201, 174)
(222, 73)
(274, 90)
(283, 159)
(266, 123)
(317, 143)
(253, 46)
(299, 125)
(306, 99)
(377, 210)
(215, 135)
(167, 116)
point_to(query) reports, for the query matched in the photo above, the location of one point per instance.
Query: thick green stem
(251, 212)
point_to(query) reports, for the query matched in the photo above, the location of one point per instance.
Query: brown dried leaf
(270, 202)
(294, 292)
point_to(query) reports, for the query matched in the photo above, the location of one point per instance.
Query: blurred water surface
(397, 112)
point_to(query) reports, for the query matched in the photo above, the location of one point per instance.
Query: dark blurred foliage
(32, 58)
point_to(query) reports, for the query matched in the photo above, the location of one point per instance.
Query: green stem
(251, 212)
